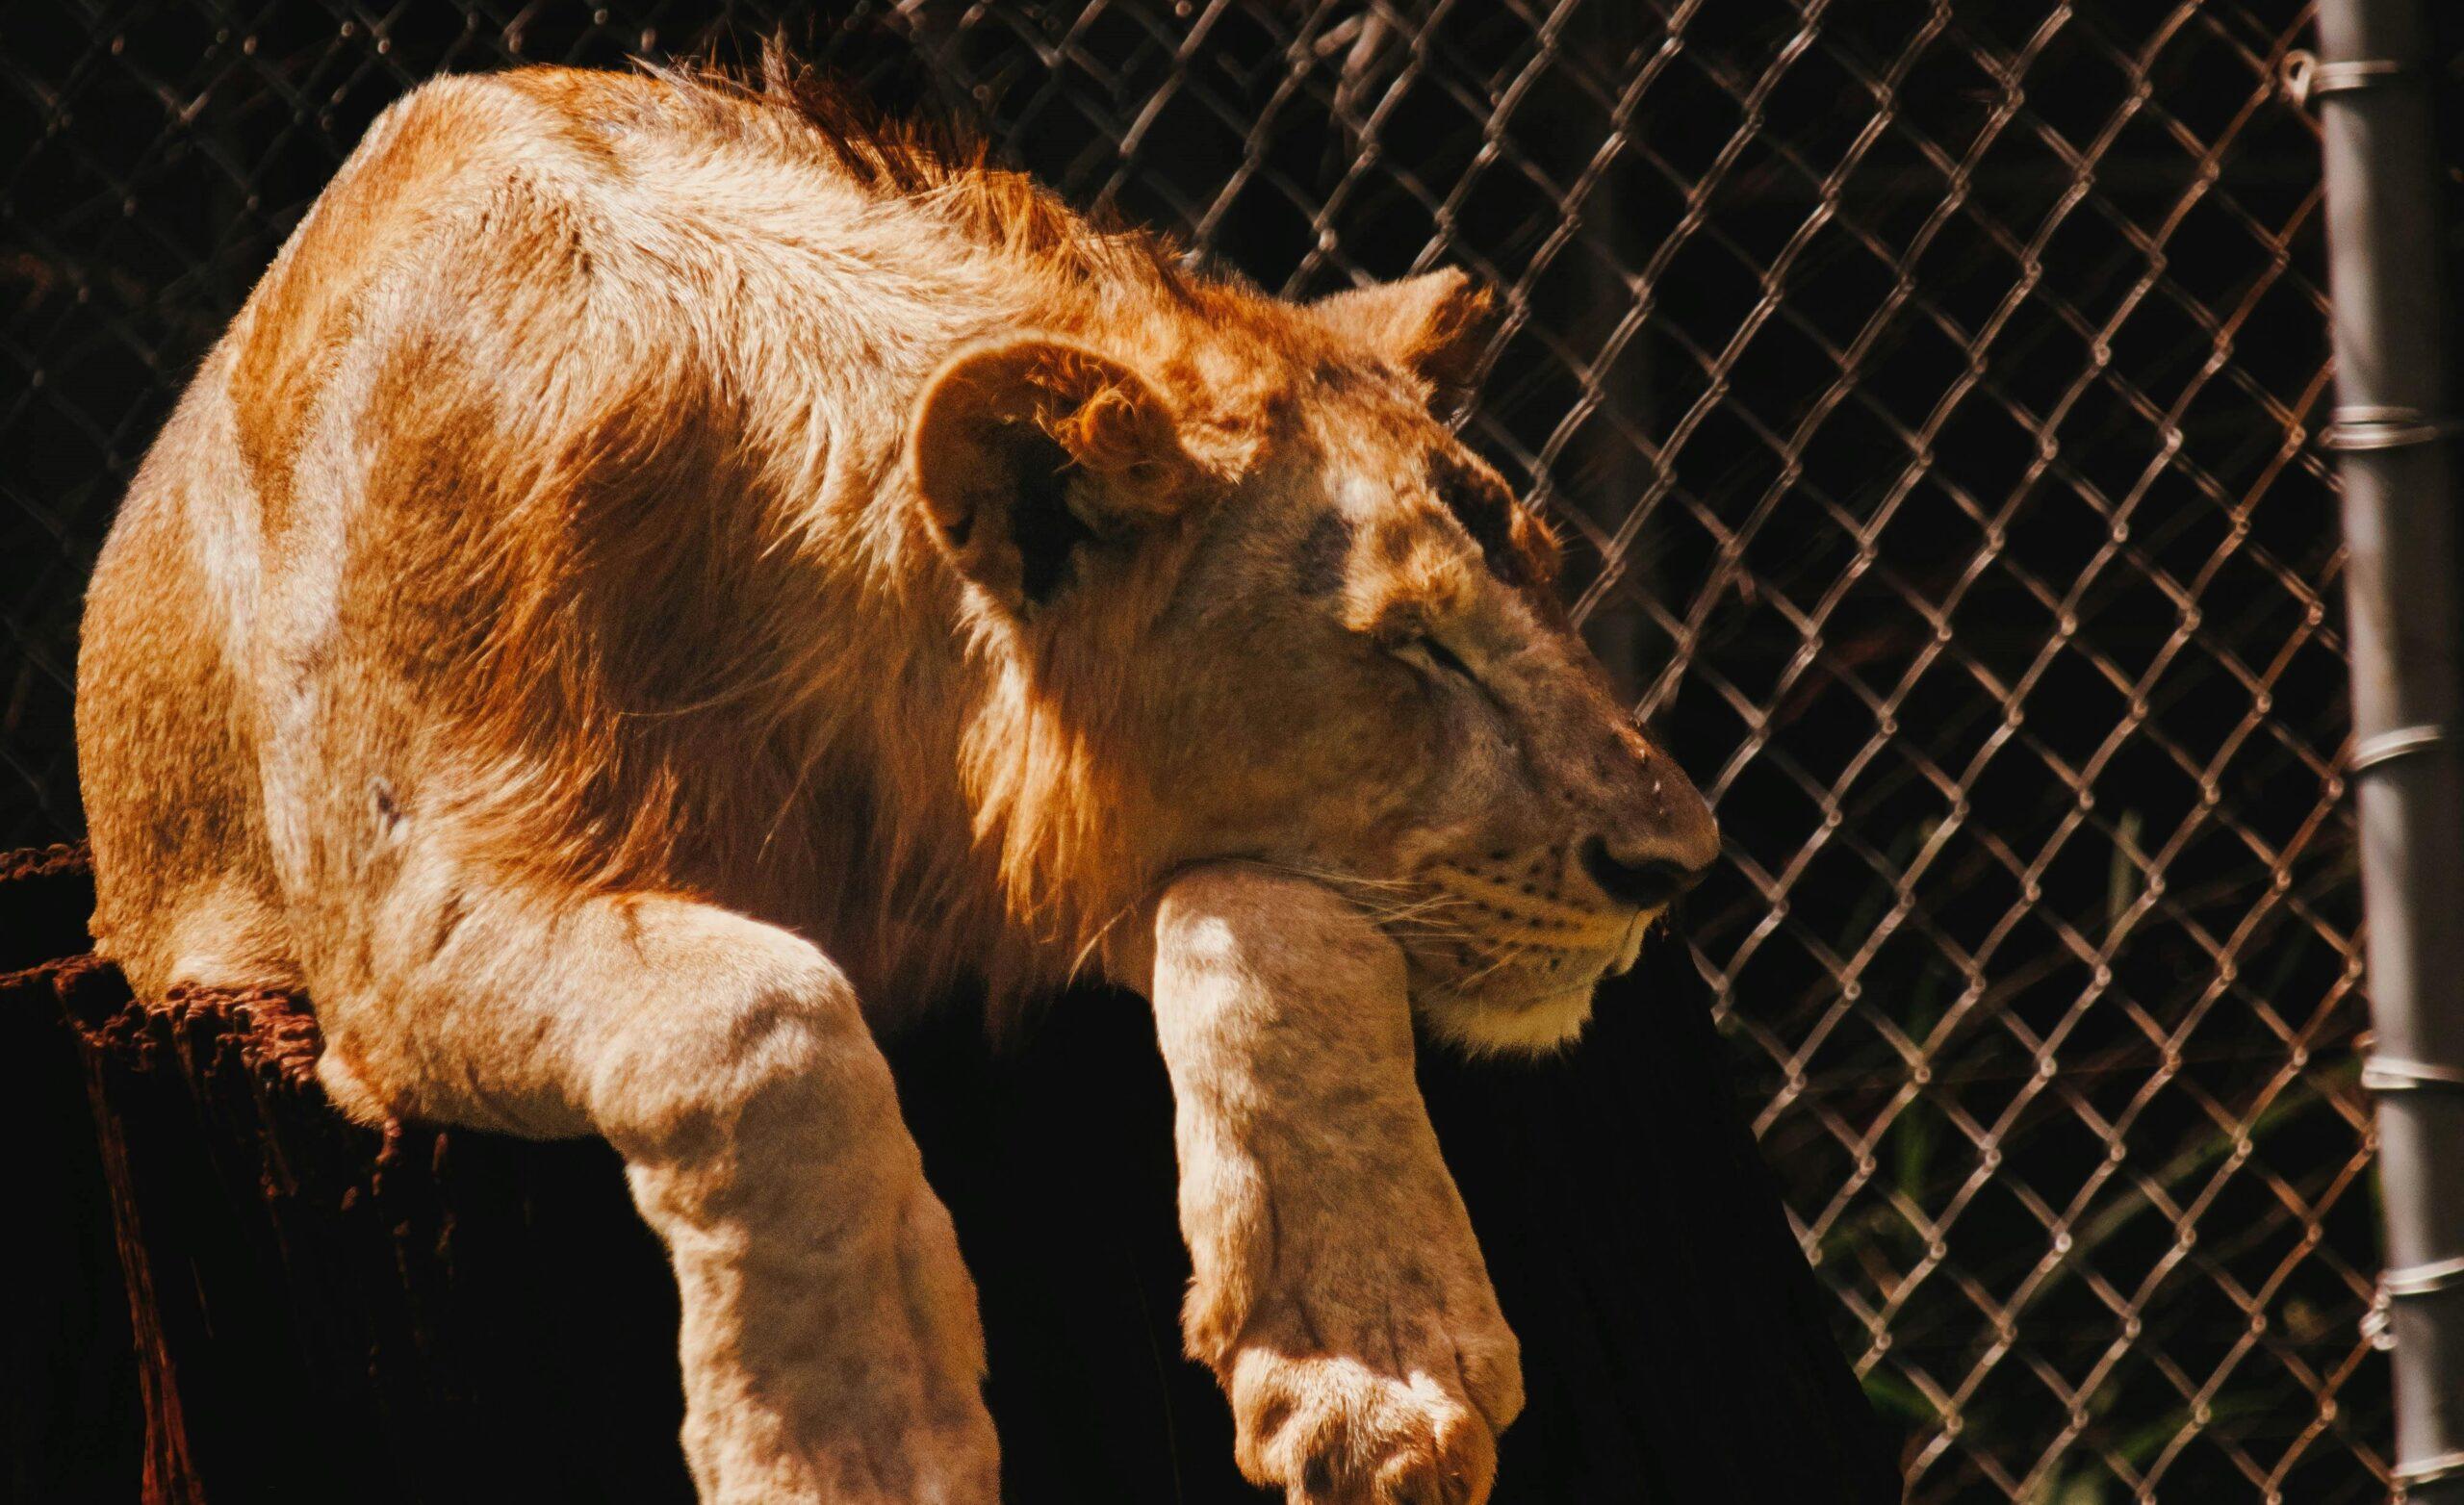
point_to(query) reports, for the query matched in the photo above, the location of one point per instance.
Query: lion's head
(1255, 602)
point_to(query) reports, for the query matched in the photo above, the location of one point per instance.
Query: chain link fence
(1926, 391)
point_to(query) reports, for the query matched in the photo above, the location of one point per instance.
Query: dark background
(1927, 392)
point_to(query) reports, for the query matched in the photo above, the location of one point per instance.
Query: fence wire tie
(2422, 1280)
(2304, 78)
(2430, 1471)
(2378, 1331)
(2386, 747)
(2364, 427)
(2388, 1074)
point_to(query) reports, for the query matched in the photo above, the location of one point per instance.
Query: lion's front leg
(1337, 1291)
(830, 1340)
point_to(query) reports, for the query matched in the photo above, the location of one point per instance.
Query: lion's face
(1349, 659)
(1395, 700)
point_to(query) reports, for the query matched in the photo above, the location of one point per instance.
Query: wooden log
(319, 1311)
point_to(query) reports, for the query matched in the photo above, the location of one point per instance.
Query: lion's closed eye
(1441, 665)
(1432, 652)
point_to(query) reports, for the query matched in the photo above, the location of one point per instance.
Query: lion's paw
(1335, 1430)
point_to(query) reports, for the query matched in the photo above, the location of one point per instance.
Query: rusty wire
(1927, 392)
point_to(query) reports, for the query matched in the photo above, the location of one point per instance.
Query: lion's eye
(1428, 653)
(1446, 659)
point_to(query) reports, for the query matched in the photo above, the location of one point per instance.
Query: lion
(667, 574)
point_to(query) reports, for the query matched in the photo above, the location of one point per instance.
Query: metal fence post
(2392, 432)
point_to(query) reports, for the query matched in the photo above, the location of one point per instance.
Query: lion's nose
(1645, 881)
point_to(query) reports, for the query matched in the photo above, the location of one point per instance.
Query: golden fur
(645, 523)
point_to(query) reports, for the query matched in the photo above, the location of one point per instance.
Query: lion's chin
(1534, 1026)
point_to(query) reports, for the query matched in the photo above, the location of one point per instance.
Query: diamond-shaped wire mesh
(1925, 390)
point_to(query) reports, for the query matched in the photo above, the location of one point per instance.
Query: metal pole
(2392, 432)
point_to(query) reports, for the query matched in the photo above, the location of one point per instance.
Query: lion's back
(498, 452)
(172, 708)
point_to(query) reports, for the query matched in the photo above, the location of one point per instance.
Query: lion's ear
(1435, 326)
(1027, 448)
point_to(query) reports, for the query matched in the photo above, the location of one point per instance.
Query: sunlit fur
(662, 576)
(552, 497)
